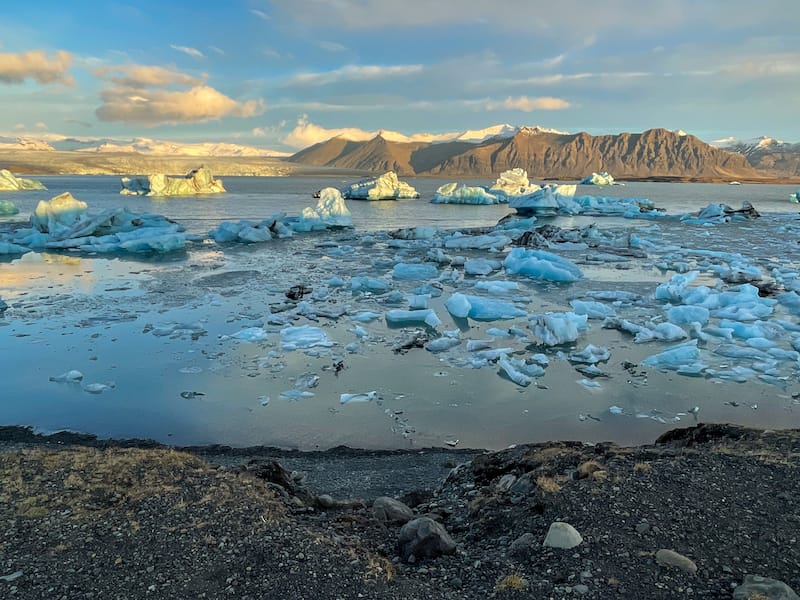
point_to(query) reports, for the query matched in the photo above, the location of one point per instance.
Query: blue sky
(283, 74)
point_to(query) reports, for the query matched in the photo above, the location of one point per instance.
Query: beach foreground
(95, 518)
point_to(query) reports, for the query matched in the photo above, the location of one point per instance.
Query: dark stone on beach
(296, 292)
(670, 558)
(522, 547)
(764, 588)
(389, 510)
(424, 538)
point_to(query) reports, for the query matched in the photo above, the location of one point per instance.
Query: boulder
(389, 510)
(562, 535)
(424, 538)
(764, 588)
(670, 558)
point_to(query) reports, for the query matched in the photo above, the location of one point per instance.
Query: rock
(326, 501)
(424, 538)
(389, 510)
(588, 467)
(643, 527)
(764, 588)
(506, 481)
(562, 535)
(12, 577)
(670, 558)
(522, 547)
(580, 589)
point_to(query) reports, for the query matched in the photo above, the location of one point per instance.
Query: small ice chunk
(418, 302)
(558, 328)
(590, 355)
(335, 282)
(368, 284)
(401, 317)
(486, 309)
(675, 357)
(366, 316)
(481, 266)
(497, 287)
(414, 271)
(264, 400)
(592, 309)
(96, 388)
(68, 377)
(539, 264)
(295, 394)
(442, 344)
(681, 315)
(304, 336)
(358, 397)
(251, 334)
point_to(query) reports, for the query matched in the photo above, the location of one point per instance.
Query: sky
(284, 74)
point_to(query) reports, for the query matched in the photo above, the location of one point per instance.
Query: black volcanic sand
(88, 518)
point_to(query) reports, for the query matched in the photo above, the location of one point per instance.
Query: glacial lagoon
(186, 347)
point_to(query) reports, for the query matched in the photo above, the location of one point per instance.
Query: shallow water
(103, 316)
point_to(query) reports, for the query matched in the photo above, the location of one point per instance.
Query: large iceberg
(602, 178)
(64, 223)
(542, 202)
(512, 183)
(385, 187)
(452, 193)
(197, 181)
(10, 183)
(330, 212)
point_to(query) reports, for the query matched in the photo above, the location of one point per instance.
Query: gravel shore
(689, 516)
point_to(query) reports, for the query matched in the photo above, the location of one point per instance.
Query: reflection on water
(159, 327)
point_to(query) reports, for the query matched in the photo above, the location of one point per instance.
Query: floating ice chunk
(97, 388)
(682, 315)
(360, 332)
(481, 266)
(676, 288)
(486, 309)
(452, 193)
(10, 183)
(335, 282)
(475, 345)
(554, 329)
(541, 202)
(740, 352)
(414, 233)
(497, 287)
(250, 334)
(402, 317)
(385, 187)
(760, 343)
(593, 310)
(590, 384)
(69, 377)
(7, 207)
(477, 242)
(303, 336)
(602, 178)
(675, 357)
(9, 248)
(357, 397)
(58, 215)
(296, 394)
(590, 355)
(736, 374)
(501, 333)
(263, 400)
(615, 410)
(442, 344)
(366, 316)
(620, 296)
(539, 264)
(513, 182)
(418, 301)
(368, 284)
(331, 211)
(414, 271)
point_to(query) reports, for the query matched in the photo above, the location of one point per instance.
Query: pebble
(642, 528)
(580, 589)
(670, 558)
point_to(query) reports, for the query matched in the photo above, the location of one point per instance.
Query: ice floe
(385, 187)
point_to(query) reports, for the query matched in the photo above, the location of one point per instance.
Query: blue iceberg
(539, 264)
(482, 309)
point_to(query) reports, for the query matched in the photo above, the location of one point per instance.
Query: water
(102, 316)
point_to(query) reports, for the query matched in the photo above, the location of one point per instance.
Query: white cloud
(152, 95)
(219, 51)
(355, 73)
(188, 50)
(36, 65)
(260, 14)
(307, 134)
(527, 104)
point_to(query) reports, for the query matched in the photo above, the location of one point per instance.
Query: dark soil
(88, 518)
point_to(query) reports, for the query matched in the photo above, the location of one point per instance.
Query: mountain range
(548, 154)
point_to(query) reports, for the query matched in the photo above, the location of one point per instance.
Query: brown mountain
(652, 154)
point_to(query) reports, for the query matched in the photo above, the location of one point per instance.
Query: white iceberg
(452, 193)
(8, 208)
(539, 264)
(357, 397)
(331, 211)
(11, 248)
(554, 329)
(10, 183)
(602, 178)
(512, 183)
(197, 181)
(442, 344)
(58, 214)
(541, 203)
(385, 187)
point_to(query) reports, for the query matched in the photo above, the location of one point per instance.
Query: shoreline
(694, 514)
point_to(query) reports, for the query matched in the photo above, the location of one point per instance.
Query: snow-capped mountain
(767, 153)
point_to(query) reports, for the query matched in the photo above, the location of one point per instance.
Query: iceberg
(592, 309)
(10, 248)
(476, 242)
(452, 193)
(368, 284)
(404, 317)
(481, 309)
(58, 214)
(10, 183)
(602, 178)
(481, 266)
(676, 357)
(541, 203)
(358, 397)
(442, 344)
(7, 208)
(512, 183)
(250, 232)
(497, 287)
(538, 264)
(683, 315)
(385, 187)
(520, 371)
(554, 329)
(330, 212)
(414, 271)
(197, 181)
(590, 355)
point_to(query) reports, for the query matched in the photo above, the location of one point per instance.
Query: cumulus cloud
(153, 95)
(188, 50)
(355, 73)
(527, 104)
(36, 65)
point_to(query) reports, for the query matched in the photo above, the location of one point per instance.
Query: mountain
(24, 144)
(544, 154)
(766, 153)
